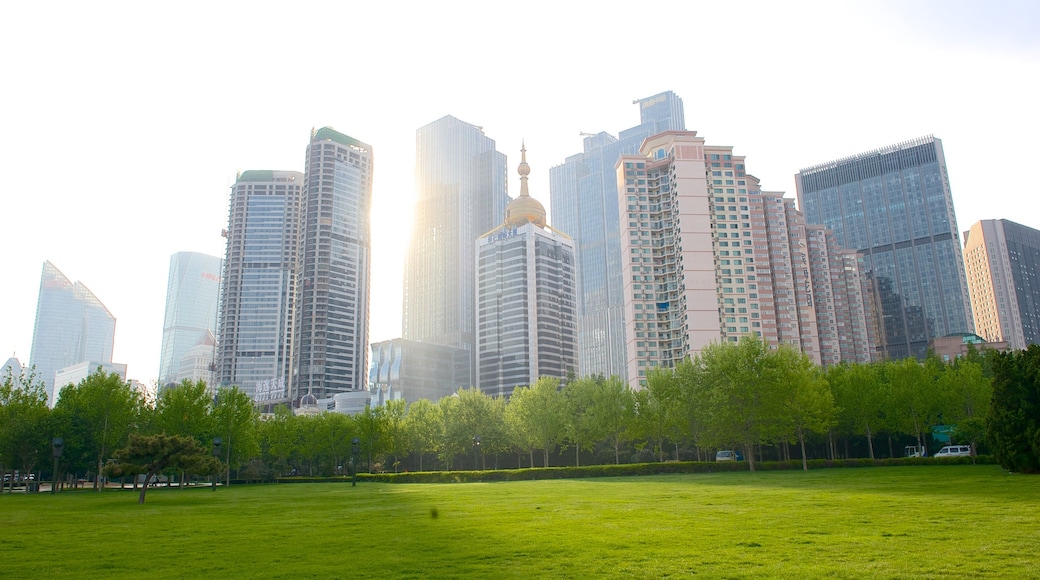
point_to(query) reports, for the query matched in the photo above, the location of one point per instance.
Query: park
(923, 521)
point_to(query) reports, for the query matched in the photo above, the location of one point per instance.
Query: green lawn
(895, 522)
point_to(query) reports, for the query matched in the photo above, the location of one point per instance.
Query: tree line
(770, 403)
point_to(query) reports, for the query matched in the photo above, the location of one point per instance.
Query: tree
(185, 409)
(915, 395)
(234, 417)
(810, 405)
(538, 415)
(95, 417)
(467, 414)
(155, 454)
(1013, 423)
(859, 396)
(25, 422)
(659, 410)
(745, 400)
(612, 413)
(280, 438)
(578, 425)
(421, 424)
(968, 393)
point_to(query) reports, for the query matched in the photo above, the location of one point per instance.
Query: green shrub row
(631, 469)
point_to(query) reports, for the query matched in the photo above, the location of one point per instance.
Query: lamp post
(217, 442)
(355, 448)
(476, 452)
(57, 446)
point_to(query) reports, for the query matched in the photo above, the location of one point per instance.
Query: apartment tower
(526, 299)
(893, 205)
(333, 267)
(259, 284)
(1002, 258)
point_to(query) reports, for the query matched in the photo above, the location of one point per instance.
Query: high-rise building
(1002, 258)
(409, 370)
(72, 326)
(839, 288)
(192, 299)
(526, 310)
(893, 205)
(332, 294)
(709, 257)
(583, 194)
(462, 193)
(259, 284)
(75, 374)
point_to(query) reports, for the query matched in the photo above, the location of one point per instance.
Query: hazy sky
(123, 125)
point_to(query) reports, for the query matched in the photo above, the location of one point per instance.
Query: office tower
(259, 284)
(410, 370)
(72, 326)
(893, 205)
(462, 193)
(192, 298)
(584, 204)
(1002, 258)
(709, 257)
(526, 311)
(331, 323)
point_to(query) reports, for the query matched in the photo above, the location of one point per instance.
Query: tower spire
(523, 170)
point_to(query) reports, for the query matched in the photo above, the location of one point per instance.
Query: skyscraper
(708, 257)
(1002, 259)
(192, 297)
(584, 205)
(72, 326)
(331, 323)
(893, 205)
(259, 284)
(461, 184)
(409, 370)
(526, 310)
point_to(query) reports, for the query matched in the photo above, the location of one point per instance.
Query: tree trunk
(749, 451)
(890, 452)
(545, 457)
(577, 459)
(830, 443)
(617, 453)
(801, 442)
(144, 488)
(870, 442)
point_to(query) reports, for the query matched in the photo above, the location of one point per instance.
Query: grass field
(901, 522)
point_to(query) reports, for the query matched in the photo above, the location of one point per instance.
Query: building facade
(72, 326)
(709, 257)
(526, 310)
(461, 184)
(333, 269)
(893, 205)
(583, 194)
(259, 284)
(75, 374)
(410, 370)
(192, 309)
(1001, 259)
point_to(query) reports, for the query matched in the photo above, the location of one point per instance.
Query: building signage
(269, 390)
(502, 235)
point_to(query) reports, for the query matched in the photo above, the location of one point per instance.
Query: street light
(217, 442)
(476, 451)
(355, 448)
(57, 446)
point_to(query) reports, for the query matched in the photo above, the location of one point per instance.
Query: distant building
(13, 366)
(1002, 259)
(346, 403)
(410, 370)
(330, 341)
(584, 205)
(461, 184)
(259, 284)
(72, 326)
(709, 258)
(74, 375)
(526, 311)
(192, 299)
(956, 345)
(893, 205)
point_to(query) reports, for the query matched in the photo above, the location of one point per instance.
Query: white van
(954, 451)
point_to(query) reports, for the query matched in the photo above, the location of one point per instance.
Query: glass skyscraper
(72, 326)
(584, 201)
(332, 293)
(462, 193)
(893, 205)
(259, 282)
(192, 296)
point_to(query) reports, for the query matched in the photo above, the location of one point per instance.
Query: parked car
(954, 451)
(729, 455)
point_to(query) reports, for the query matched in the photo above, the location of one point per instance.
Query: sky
(123, 125)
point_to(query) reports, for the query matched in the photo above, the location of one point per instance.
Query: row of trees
(744, 395)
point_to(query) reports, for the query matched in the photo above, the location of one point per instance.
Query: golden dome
(525, 209)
